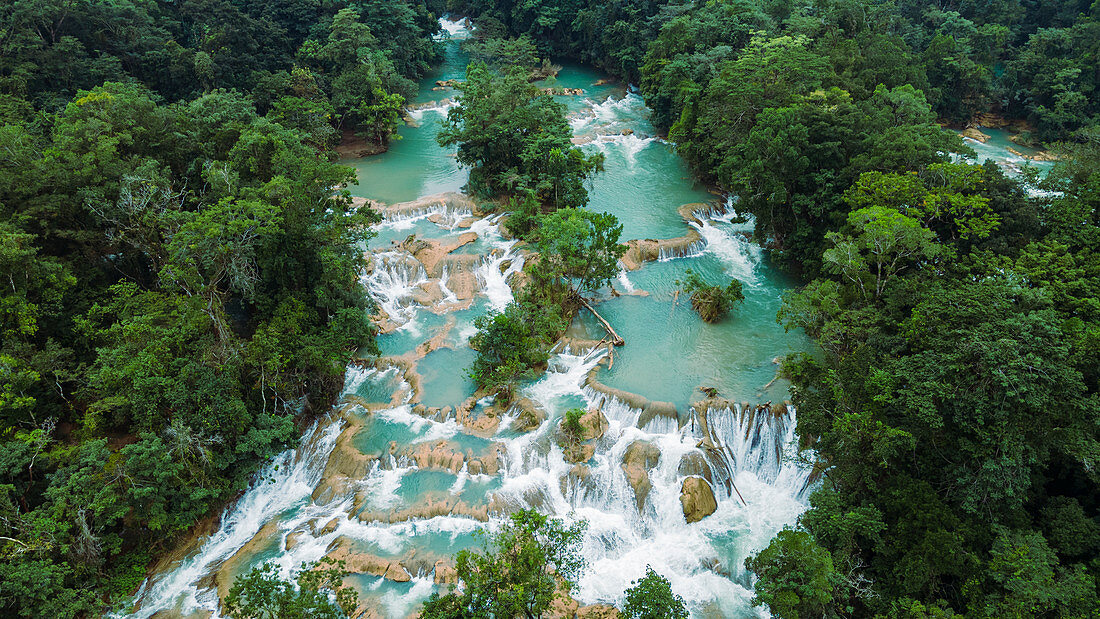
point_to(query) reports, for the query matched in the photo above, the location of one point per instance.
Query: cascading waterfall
(635, 516)
(493, 274)
(391, 283)
(621, 540)
(284, 483)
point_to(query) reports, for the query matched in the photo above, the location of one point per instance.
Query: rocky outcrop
(697, 499)
(450, 202)
(638, 459)
(429, 508)
(594, 424)
(582, 452)
(530, 416)
(640, 251)
(441, 455)
(652, 410)
(974, 134)
(429, 252)
(694, 464)
(578, 479)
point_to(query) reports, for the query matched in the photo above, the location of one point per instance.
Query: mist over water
(420, 480)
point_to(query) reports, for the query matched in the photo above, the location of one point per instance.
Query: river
(408, 466)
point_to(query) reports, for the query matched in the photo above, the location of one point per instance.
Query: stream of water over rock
(408, 465)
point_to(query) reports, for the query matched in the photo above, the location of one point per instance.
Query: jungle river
(409, 465)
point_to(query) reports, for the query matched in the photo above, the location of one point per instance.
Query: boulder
(697, 499)
(643, 454)
(975, 134)
(579, 475)
(530, 415)
(445, 573)
(694, 464)
(594, 424)
(639, 457)
(292, 540)
(582, 452)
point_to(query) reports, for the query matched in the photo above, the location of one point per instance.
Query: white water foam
(494, 278)
(740, 256)
(701, 560)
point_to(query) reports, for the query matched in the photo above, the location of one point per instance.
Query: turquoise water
(444, 374)
(998, 148)
(736, 355)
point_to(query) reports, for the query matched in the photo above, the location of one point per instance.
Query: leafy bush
(712, 303)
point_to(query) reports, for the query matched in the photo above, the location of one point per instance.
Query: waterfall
(494, 280)
(285, 482)
(740, 255)
(391, 283)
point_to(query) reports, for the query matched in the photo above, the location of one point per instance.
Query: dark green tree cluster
(318, 592)
(313, 66)
(181, 283)
(516, 140)
(957, 402)
(611, 35)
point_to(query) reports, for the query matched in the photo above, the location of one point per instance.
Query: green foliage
(712, 303)
(797, 577)
(580, 245)
(571, 425)
(262, 593)
(516, 140)
(189, 325)
(651, 597)
(953, 406)
(514, 343)
(518, 572)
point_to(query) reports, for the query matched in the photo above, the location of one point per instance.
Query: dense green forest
(181, 263)
(180, 266)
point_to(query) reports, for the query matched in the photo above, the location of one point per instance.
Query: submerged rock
(697, 499)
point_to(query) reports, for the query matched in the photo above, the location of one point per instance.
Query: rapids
(410, 465)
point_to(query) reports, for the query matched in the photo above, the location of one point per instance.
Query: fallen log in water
(615, 339)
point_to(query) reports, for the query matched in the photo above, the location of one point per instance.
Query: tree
(512, 343)
(796, 577)
(518, 572)
(582, 245)
(883, 243)
(651, 597)
(516, 140)
(260, 594)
